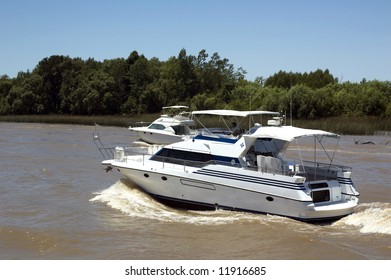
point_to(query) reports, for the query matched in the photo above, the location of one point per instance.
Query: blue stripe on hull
(251, 179)
(345, 181)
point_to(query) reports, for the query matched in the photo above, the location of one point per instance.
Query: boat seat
(268, 164)
(250, 160)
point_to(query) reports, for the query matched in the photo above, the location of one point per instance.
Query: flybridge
(233, 113)
(233, 119)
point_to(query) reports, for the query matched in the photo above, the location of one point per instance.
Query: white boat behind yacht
(172, 126)
(248, 173)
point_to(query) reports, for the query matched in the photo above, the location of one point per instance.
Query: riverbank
(117, 120)
(340, 125)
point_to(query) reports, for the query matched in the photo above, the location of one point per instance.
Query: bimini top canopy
(288, 133)
(233, 113)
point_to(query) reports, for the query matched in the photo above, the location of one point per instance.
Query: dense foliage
(64, 85)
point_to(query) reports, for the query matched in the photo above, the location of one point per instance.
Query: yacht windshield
(157, 126)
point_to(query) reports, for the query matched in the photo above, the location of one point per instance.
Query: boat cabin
(264, 150)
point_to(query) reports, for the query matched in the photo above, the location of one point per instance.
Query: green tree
(314, 80)
(70, 81)
(52, 72)
(5, 87)
(141, 73)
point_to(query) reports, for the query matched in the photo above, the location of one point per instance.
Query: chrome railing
(318, 170)
(106, 152)
(310, 170)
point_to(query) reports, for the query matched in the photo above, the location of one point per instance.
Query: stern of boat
(332, 198)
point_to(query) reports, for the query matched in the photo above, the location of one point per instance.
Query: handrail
(308, 169)
(327, 166)
(106, 152)
(320, 171)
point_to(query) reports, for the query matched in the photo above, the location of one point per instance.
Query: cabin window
(181, 129)
(177, 156)
(321, 196)
(157, 126)
(161, 153)
(190, 158)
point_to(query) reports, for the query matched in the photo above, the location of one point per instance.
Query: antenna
(291, 106)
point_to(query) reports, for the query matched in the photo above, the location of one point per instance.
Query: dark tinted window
(166, 154)
(157, 126)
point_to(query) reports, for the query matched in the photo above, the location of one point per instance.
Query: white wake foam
(370, 218)
(133, 202)
(127, 198)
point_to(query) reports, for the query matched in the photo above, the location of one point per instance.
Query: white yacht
(247, 173)
(172, 126)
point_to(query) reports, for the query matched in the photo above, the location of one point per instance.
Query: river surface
(58, 202)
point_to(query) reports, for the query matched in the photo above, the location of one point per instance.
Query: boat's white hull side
(156, 136)
(230, 188)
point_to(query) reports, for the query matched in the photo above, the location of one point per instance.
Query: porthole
(164, 178)
(146, 175)
(269, 198)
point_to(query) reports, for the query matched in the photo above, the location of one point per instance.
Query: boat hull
(211, 188)
(196, 205)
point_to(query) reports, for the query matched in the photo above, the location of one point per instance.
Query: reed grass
(117, 120)
(341, 125)
(348, 125)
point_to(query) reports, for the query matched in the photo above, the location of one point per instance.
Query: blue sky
(350, 38)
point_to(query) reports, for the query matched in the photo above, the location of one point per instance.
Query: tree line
(63, 85)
